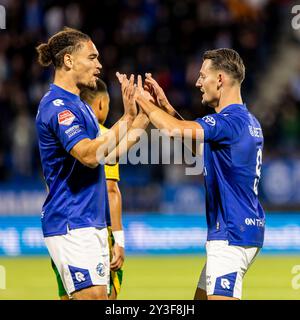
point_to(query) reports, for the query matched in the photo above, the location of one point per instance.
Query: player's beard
(208, 103)
(92, 85)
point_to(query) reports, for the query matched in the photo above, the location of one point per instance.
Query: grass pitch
(154, 277)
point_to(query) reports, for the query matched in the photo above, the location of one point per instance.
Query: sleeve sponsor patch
(65, 117)
(209, 120)
(72, 131)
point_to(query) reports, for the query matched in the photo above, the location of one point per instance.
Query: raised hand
(159, 96)
(140, 90)
(156, 91)
(128, 89)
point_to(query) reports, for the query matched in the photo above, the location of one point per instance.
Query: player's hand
(128, 89)
(118, 258)
(141, 91)
(157, 94)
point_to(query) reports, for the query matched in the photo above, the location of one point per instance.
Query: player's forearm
(173, 127)
(92, 152)
(139, 124)
(113, 137)
(170, 110)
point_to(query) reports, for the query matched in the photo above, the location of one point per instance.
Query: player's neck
(65, 82)
(232, 96)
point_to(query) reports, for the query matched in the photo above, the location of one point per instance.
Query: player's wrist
(119, 238)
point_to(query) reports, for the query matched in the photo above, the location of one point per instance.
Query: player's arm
(139, 124)
(92, 152)
(163, 115)
(173, 127)
(115, 205)
(160, 100)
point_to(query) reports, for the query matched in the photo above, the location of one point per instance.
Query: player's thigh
(225, 269)
(82, 258)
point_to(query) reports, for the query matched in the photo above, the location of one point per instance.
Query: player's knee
(98, 293)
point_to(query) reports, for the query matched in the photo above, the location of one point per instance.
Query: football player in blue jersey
(233, 144)
(76, 211)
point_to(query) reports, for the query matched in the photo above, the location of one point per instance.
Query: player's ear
(220, 80)
(100, 103)
(68, 60)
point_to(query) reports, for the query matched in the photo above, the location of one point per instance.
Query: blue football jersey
(232, 168)
(77, 195)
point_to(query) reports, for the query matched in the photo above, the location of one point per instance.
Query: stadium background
(163, 208)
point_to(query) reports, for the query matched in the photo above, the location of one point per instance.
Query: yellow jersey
(111, 172)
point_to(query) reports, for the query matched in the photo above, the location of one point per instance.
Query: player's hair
(66, 41)
(227, 60)
(89, 94)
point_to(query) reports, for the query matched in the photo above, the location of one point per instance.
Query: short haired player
(233, 144)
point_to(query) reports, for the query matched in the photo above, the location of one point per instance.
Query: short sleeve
(68, 125)
(112, 172)
(221, 128)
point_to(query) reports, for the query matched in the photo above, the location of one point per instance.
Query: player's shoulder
(238, 113)
(53, 99)
(55, 104)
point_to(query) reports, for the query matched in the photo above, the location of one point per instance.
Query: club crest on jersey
(100, 269)
(209, 120)
(66, 117)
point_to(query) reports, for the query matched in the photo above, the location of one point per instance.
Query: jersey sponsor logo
(225, 283)
(58, 102)
(209, 120)
(79, 276)
(66, 117)
(100, 269)
(72, 131)
(255, 222)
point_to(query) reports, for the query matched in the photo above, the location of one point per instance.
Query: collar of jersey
(234, 105)
(64, 92)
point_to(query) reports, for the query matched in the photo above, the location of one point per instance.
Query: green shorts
(115, 276)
